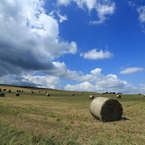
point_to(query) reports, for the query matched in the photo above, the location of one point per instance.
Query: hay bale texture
(106, 109)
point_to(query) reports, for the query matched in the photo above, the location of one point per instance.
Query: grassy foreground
(63, 119)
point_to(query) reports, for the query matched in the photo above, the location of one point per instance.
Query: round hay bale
(9, 91)
(143, 95)
(139, 93)
(72, 94)
(17, 94)
(4, 89)
(106, 109)
(2, 94)
(47, 94)
(91, 97)
(118, 96)
(0, 90)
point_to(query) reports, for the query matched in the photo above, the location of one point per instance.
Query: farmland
(63, 119)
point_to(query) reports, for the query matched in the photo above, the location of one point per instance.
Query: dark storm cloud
(29, 38)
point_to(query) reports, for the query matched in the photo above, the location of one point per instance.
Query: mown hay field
(63, 119)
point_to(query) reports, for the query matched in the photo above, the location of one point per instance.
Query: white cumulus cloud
(94, 54)
(103, 11)
(97, 82)
(131, 70)
(103, 8)
(31, 80)
(141, 11)
(42, 81)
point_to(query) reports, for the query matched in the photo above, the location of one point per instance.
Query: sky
(77, 45)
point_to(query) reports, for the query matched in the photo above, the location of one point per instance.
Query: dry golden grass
(66, 119)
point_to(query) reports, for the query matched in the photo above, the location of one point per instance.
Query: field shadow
(124, 119)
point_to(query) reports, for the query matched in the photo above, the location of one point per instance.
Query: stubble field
(63, 119)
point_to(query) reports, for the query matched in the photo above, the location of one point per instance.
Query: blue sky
(80, 45)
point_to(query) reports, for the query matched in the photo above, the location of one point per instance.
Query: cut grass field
(63, 119)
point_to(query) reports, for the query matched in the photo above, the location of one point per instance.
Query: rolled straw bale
(106, 109)
(47, 94)
(118, 96)
(2, 94)
(91, 97)
(9, 91)
(17, 94)
(143, 95)
(72, 94)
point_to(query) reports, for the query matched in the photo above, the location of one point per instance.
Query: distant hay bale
(72, 94)
(143, 95)
(139, 93)
(9, 91)
(18, 91)
(0, 90)
(32, 91)
(91, 97)
(21, 91)
(47, 94)
(118, 96)
(2, 94)
(4, 89)
(17, 94)
(106, 109)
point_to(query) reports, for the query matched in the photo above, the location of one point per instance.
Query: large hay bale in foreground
(106, 109)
